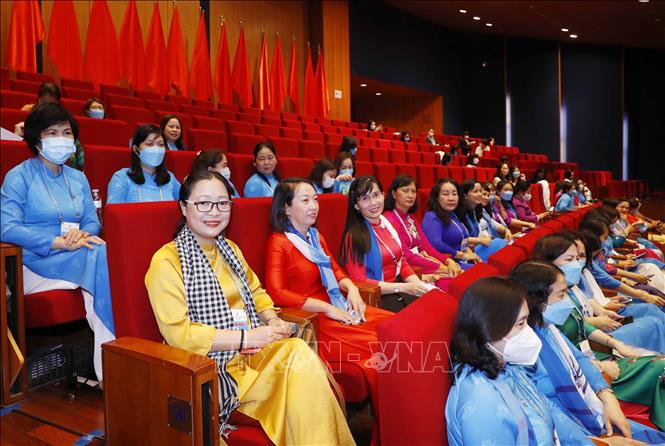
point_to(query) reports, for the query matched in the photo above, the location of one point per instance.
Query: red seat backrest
(76, 83)
(506, 259)
(74, 106)
(241, 143)
(194, 110)
(204, 122)
(149, 95)
(131, 115)
(201, 139)
(179, 162)
(294, 167)
(9, 117)
(418, 380)
(313, 150)
(78, 93)
(127, 101)
(101, 162)
(397, 156)
(223, 114)
(332, 216)
(16, 99)
(425, 176)
(12, 153)
(286, 147)
(384, 172)
(25, 86)
(460, 283)
(107, 132)
(177, 100)
(242, 167)
(161, 105)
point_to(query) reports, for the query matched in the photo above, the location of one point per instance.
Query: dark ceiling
(628, 23)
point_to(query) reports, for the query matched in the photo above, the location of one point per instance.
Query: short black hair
(551, 246)
(88, 104)
(162, 125)
(400, 180)
(42, 117)
(348, 143)
(49, 89)
(283, 196)
(189, 183)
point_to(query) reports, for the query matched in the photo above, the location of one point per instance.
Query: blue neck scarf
(317, 255)
(373, 262)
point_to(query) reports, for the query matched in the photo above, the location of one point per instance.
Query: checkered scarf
(207, 305)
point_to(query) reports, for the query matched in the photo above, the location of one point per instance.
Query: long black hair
(401, 180)
(356, 237)
(433, 201)
(257, 148)
(135, 171)
(487, 312)
(550, 247)
(463, 209)
(536, 278)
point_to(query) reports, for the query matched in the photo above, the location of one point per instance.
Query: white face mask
(57, 149)
(225, 172)
(328, 183)
(521, 349)
(527, 197)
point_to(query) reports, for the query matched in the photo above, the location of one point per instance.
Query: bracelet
(241, 346)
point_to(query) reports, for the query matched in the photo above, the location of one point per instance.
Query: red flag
(223, 70)
(277, 87)
(102, 63)
(309, 93)
(132, 56)
(177, 59)
(293, 78)
(240, 75)
(321, 88)
(201, 82)
(263, 87)
(26, 30)
(157, 74)
(64, 40)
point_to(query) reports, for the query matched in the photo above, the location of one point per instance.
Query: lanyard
(61, 216)
(462, 230)
(408, 231)
(161, 197)
(395, 259)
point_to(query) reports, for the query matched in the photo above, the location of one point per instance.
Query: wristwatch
(396, 290)
(606, 389)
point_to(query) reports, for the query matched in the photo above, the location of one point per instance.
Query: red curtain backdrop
(157, 71)
(223, 70)
(177, 58)
(277, 86)
(322, 103)
(200, 81)
(310, 94)
(263, 86)
(26, 30)
(240, 75)
(102, 63)
(293, 79)
(64, 40)
(132, 54)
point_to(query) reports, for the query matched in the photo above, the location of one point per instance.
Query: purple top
(496, 212)
(411, 235)
(523, 210)
(445, 238)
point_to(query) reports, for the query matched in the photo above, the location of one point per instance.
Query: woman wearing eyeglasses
(265, 179)
(147, 179)
(207, 300)
(371, 250)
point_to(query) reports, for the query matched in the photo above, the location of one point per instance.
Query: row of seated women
(206, 299)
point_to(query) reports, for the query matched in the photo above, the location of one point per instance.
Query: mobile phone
(627, 320)
(639, 256)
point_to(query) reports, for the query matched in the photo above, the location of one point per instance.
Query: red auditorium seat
(427, 158)
(456, 173)
(78, 93)
(378, 155)
(239, 127)
(323, 121)
(554, 225)
(383, 144)
(131, 115)
(201, 139)
(397, 156)
(230, 107)
(267, 131)
(271, 120)
(312, 135)
(344, 131)
(364, 168)
(418, 337)
(202, 103)
(270, 114)
(249, 117)
(289, 116)
(194, 110)
(105, 89)
(154, 105)
(398, 145)
(460, 283)
(291, 124)
(77, 83)
(127, 101)
(24, 86)
(177, 100)
(366, 142)
(9, 117)
(338, 123)
(180, 162)
(153, 95)
(328, 129)
(385, 172)
(413, 157)
(75, 106)
(303, 118)
(16, 99)
(101, 162)
(250, 110)
(507, 258)
(331, 150)
(333, 138)
(204, 122)
(12, 153)
(290, 132)
(242, 167)
(363, 154)
(103, 132)
(286, 147)
(34, 77)
(313, 150)
(468, 173)
(294, 167)
(425, 176)
(406, 169)
(243, 143)
(226, 115)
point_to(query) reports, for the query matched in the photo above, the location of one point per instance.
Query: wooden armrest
(300, 316)
(371, 294)
(609, 293)
(159, 353)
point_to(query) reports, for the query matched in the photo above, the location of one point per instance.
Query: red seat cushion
(53, 308)
(460, 283)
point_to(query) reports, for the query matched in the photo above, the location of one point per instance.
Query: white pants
(34, 283)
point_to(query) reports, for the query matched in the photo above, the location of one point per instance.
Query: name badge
(240, 321)
(415, 250)
(67, 226)
(586, 349)
(464, 245)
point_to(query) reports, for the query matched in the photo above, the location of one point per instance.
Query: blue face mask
(152, 156)
(573, 272)
(558, 313)
(492, 198)
(516, 174)
(353, 151)
(96, 113)
(607, 247)
(507, 195)
(346, 172)
(644, 227)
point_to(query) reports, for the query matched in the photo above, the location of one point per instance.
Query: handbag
(396, 302)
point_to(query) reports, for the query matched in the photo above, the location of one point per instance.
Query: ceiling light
(476, 18)
(643, 1)
(488, 24)
(463, 11)
(378, 94)
(565, 30)
(363, 85)
(573, 36)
